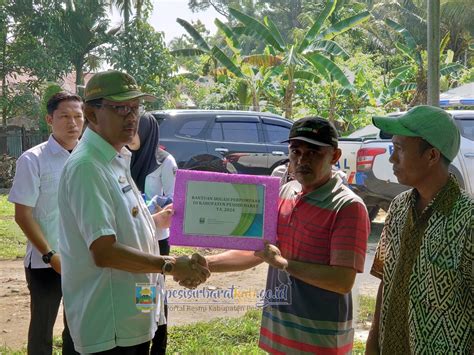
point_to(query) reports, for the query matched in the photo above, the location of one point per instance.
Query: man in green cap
(110, 257)
(425, 253)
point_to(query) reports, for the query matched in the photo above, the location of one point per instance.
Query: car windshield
(466, 127)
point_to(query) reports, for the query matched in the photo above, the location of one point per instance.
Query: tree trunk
(332, 106)
(138, 7)
(126, 14)
(420, 97)
(4, 79)
(288, 99)
(78, 66)
(432, 91)
(255, 100)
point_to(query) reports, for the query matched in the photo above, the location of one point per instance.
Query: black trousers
(140, 349)
(45, 297)
(159, 341)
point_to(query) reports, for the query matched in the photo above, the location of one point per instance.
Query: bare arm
(332, 278)
(232, 260)
(107, 252)
(163, 217)
(372, 345)
(25, 220)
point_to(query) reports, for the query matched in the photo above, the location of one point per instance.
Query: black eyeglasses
(123, 110)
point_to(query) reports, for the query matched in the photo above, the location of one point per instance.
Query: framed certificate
(226, 211)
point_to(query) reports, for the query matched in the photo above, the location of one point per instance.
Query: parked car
(350, 145)
(375, 181)
(224, 141)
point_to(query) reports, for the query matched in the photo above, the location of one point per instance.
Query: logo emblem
(135, 211)
(145, 297)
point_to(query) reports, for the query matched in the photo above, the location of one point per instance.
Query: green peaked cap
(433, 124)
(115, 86)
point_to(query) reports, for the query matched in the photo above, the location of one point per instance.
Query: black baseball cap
(314, 130)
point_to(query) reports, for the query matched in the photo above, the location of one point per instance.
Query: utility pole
(433, 52)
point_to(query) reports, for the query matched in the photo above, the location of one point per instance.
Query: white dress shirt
(36, 185)
(97, 197)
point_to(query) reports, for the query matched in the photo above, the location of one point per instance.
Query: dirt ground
(14, 299)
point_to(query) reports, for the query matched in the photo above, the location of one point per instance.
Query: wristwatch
(168, 266)
(47, 257)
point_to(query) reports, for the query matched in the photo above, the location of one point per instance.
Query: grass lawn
(220, 336)
(366, 310)
(12, 240)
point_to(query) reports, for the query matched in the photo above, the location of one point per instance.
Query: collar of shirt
(325, 191)
(54, 147)
(444, 200)
(106, 150)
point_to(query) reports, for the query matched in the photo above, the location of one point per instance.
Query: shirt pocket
(49, 183)
(441, 285)
(47, 203)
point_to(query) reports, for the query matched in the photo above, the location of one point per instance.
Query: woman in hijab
(154, 171)
(143, 148)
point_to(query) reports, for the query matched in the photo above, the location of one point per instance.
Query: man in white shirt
(35, 195)
(107, 239)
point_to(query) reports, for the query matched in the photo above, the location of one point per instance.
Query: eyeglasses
(123, 110)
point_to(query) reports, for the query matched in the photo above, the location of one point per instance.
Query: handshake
(191, 271)
(188, 271)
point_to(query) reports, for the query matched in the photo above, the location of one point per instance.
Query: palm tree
(126, 8)
(315, 50)
(411, 77)
(80, 28)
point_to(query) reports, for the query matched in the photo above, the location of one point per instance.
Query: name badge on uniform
(135, 211)
(145, 297)
(126, 189)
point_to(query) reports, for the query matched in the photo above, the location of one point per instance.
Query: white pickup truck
(374, 179)
(350, 145)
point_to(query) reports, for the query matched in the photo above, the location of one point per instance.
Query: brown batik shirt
(440, 286)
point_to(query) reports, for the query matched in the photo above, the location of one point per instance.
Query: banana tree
(316, 50)
(252, 80)
(202, 47)
(410, 78)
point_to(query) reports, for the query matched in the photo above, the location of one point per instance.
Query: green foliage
(50, 90)
(359, 347)
(467, 76)
(352, 107)
(141, 52)
(12, 239)
(33, 43)
(409, 81)
(20, 100)
(313, 52)
(17, 45)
